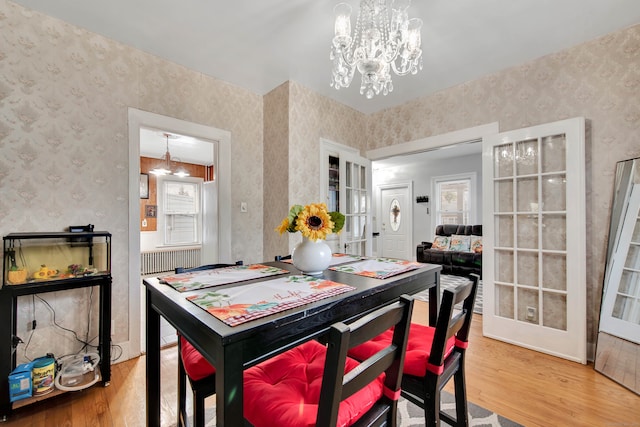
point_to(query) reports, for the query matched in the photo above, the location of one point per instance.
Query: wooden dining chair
(314, 384)
(193, 367)
(435, 355)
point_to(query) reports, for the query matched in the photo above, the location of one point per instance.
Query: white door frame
(138, 119)
(407, 215)
(433, 142)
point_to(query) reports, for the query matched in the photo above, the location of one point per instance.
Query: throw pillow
(460, 243)
(476, 244)
(441, 243)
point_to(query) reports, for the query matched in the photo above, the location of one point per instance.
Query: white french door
(355, 198)
(345, 186)
(534, 259)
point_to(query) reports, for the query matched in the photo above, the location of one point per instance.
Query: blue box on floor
(20, 382)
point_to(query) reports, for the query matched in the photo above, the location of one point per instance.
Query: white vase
(311, 257)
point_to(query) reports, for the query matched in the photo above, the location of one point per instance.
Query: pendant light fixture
(169, 166)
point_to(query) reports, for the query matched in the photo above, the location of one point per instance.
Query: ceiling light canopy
(169, 166)
(384, 39)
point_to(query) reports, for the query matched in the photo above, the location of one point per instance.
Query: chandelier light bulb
(343, 24)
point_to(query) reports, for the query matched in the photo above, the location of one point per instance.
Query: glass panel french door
(355, 173)
(534, 258)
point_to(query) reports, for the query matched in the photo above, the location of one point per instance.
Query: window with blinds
(181, 212)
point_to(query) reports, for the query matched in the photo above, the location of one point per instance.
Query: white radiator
(162, 261)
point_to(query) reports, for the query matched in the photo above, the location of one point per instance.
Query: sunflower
(314, 221)
(284, 226)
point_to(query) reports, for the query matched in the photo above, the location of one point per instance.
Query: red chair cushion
(418, 348)
(194, 363)
(285, 390)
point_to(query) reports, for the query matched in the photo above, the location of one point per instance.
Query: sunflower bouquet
(313, 221)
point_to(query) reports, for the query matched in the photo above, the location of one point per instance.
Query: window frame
(163, 215)
(436, 184)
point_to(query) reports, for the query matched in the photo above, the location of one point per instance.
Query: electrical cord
(86, 343)
(33, 324)
(55, 322)
(89, 317)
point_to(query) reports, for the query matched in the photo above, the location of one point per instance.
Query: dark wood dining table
(233, 349)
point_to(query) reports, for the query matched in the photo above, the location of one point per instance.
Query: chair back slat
(179, 270)
(451, 321)
(384, 321)
(337, 386)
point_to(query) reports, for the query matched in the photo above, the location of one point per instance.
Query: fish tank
(57, 256)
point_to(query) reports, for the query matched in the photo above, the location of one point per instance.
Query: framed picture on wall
(151, 211)
(144, 186)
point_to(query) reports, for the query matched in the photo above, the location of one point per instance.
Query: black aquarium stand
(9, 294)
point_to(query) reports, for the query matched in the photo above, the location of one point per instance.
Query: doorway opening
(220, 203)
(394, 164)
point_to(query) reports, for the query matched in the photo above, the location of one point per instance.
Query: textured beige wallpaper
(276, 170)
(64, 94)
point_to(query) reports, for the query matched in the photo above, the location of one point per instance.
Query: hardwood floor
(526, 386)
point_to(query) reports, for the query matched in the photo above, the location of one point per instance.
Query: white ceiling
(259, 44)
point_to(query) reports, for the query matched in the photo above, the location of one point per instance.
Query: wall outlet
(531, 313)
(243, 206)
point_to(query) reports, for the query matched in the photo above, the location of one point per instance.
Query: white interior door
(355, 202)
(534, 260)
(620, 312)
(395, 216)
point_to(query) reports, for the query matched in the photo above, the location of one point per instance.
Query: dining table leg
(229, 386)
(434, 301)
(153, 364)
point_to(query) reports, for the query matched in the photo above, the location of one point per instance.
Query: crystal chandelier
(167, 164)
(382, 41)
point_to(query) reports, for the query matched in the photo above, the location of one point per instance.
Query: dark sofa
(459, 263)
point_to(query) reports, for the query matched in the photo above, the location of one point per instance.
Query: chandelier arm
(350, 64)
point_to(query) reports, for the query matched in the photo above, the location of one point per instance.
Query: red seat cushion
(418, 348)
(285, 390)
(194, 363)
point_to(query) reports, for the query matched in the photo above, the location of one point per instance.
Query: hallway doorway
(219, 201)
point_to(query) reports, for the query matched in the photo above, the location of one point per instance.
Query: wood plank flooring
(528, 387)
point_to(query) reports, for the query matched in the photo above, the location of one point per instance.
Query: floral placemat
(191, 281)
(337, 258)
(379, 268)
(243, 303)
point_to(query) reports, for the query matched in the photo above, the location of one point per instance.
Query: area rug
(411, 415)
(448, 281)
